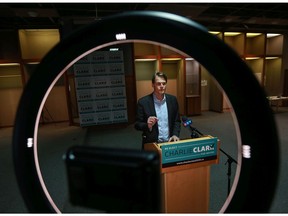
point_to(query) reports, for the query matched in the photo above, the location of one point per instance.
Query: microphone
(188, 123)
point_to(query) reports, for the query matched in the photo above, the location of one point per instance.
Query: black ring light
(259, 141)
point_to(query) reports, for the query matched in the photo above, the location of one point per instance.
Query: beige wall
(55, 109)
(9, 102)
(36, 43)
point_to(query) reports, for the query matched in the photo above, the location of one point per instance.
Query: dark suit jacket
(146, 108)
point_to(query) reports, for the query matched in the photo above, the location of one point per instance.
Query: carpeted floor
(55, 139)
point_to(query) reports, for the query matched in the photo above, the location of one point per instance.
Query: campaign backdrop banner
(100, 88)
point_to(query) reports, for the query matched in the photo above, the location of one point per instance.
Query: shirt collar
(159, 101)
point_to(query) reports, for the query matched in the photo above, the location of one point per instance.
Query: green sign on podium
(193, 151)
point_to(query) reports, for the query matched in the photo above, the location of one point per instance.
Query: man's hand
(151, 121)
(173, 139)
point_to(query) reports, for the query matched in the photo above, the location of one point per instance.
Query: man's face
(159, 85)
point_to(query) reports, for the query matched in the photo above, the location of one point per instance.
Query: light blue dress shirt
(162, 115)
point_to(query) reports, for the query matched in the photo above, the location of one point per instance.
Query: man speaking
(158, 114)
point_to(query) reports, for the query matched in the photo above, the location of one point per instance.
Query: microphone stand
(229, 161)
(196, 134)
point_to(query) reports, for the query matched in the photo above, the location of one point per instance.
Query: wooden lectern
(185, 171)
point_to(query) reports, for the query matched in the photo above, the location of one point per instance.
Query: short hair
(159, 74)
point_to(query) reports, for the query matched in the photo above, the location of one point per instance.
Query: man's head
(159, 81)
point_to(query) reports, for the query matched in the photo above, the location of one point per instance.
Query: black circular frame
(259, 159)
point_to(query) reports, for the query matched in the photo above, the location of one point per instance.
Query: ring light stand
(254, 187)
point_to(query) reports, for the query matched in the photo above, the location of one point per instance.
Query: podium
(185, 173)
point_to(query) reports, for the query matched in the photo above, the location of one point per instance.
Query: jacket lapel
(168, 103)
(151, 105)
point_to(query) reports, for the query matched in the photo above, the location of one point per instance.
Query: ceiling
(262, 17)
